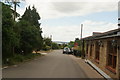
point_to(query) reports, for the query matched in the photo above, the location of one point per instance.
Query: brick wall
(103, 57)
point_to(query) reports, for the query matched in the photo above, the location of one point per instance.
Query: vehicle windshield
(66, 48)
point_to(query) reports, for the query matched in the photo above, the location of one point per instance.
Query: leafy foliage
(9, 37)
(47, 43)
(55, 46)
(71, 44)
(22, 37)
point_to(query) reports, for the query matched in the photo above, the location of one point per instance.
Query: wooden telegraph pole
(81, 30)
(82, 42)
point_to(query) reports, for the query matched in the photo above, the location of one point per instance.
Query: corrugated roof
(107, 34)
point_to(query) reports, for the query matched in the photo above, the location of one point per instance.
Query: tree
(30, 32)
(32, 16)
(14, 13)
(47, 43)
(9, 37)
(71, 44)
(30, 37)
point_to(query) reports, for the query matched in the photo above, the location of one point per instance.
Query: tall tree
(31, 31)
(9, 37)
(32, 16)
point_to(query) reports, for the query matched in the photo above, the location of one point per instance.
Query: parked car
(67, 50)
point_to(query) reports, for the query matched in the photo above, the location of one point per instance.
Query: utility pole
(81, 30)
(82, 42)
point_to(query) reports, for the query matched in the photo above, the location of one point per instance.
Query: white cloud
(63, 33)
(56, 9)
(67, 33)
(93, 26)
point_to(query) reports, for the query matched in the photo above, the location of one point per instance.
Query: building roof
(96, 33)
(112, 33)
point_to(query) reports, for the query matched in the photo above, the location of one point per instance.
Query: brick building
(102, 51)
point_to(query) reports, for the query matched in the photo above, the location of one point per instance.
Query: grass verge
(17, 58)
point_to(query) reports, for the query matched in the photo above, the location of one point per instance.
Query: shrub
(46, 48)
(13, 60)
(18, 58)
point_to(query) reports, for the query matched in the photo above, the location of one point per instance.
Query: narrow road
(52, 65)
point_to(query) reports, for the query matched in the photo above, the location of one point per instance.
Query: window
(112, 56)
(91, 50)
(97, 52)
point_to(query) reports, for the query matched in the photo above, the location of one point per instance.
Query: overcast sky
(62, 18)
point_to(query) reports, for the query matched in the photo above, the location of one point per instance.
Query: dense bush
(55, 46)
(46, 48)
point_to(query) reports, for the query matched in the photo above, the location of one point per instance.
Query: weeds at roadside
(16, 59)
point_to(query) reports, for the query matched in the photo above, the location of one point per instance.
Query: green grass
(17, 58)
